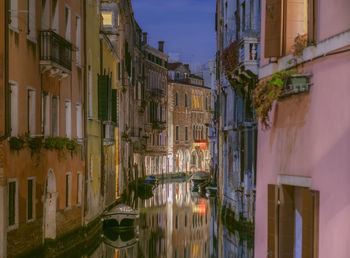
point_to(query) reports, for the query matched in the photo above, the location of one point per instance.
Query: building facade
(188, 120)
(156, 62)
(303, 179)
(238, 30)
(43, 161)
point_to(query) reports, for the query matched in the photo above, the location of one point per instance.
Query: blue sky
(186, 26)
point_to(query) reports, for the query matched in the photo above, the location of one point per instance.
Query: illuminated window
(107, 18)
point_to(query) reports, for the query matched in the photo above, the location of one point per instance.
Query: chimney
(144, 38)
(161, 46)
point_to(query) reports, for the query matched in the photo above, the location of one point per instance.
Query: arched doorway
(187, 161)
(50, 195)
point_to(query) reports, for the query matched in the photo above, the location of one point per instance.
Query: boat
(152, 180)
(120, 240)
(199, 177)
(211, 191)
(121, 216)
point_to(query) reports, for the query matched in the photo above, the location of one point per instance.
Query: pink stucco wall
(310, 136)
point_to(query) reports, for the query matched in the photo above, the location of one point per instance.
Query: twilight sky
(186, 26)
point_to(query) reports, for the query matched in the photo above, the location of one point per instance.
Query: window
(14, 110)
(78, 40)
(176, 222)
(55, 15)
(45, 12)
(177, 133)
(285, 22)
(90, 93)
(107, 19)
(45, 114)
(13, 203)
(177, 75)
(68, 189)
(68, 119)
(186, 133)
(13, 14)
(186, 104)
(206, 103)
(252, 14)
(176, 99)
(55, 116)
(79, 118)
(185, 220)
(31, 20)
(79, 187)
(67, 21)
(293, 226)
(31, 111)
(30, 199)
(243, 16)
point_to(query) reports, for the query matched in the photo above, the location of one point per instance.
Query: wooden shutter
(311, 23)
(316, 215)
(103, 83)
(272, 222)
(295, 23)
(310, 223)
(273, 28)
(114, 106)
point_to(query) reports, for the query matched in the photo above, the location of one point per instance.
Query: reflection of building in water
(172, 224)
(234, 246)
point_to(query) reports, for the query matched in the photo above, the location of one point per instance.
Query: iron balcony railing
(56, 49)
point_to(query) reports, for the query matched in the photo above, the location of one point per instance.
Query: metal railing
(55, 48)
(158, 92)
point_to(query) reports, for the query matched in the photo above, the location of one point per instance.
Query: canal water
(176, 223)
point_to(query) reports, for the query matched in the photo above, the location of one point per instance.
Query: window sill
(14, 29)
(32, 39)
(12, 227)
(31, 220)
(68, 208)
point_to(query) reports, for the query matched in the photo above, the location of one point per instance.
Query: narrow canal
(174, 222)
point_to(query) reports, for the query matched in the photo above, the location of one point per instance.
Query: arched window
(176, 99)
(186, 104)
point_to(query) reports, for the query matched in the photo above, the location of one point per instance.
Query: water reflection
(175, 222)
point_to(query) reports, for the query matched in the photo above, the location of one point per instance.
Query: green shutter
(12, 203)
(103, 85)
(114, 106)
(30, 199)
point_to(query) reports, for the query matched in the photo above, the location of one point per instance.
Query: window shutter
(286, 221)
(114, 106)
(272, 233)
(295, 23)
(311, 23)
(103, 84)
(310, 223)
(273, 28)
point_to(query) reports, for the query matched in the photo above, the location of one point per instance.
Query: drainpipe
(3, 180)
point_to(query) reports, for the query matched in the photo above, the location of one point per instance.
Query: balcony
(55, 54)
(158, 92)
(159, 125)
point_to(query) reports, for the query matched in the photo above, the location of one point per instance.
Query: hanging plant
(230, 57)
(16, 143)
(266, 92)
(34, 143)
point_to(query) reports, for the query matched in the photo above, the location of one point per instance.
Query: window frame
(16, 213)
(68, 190)
(33, 179)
